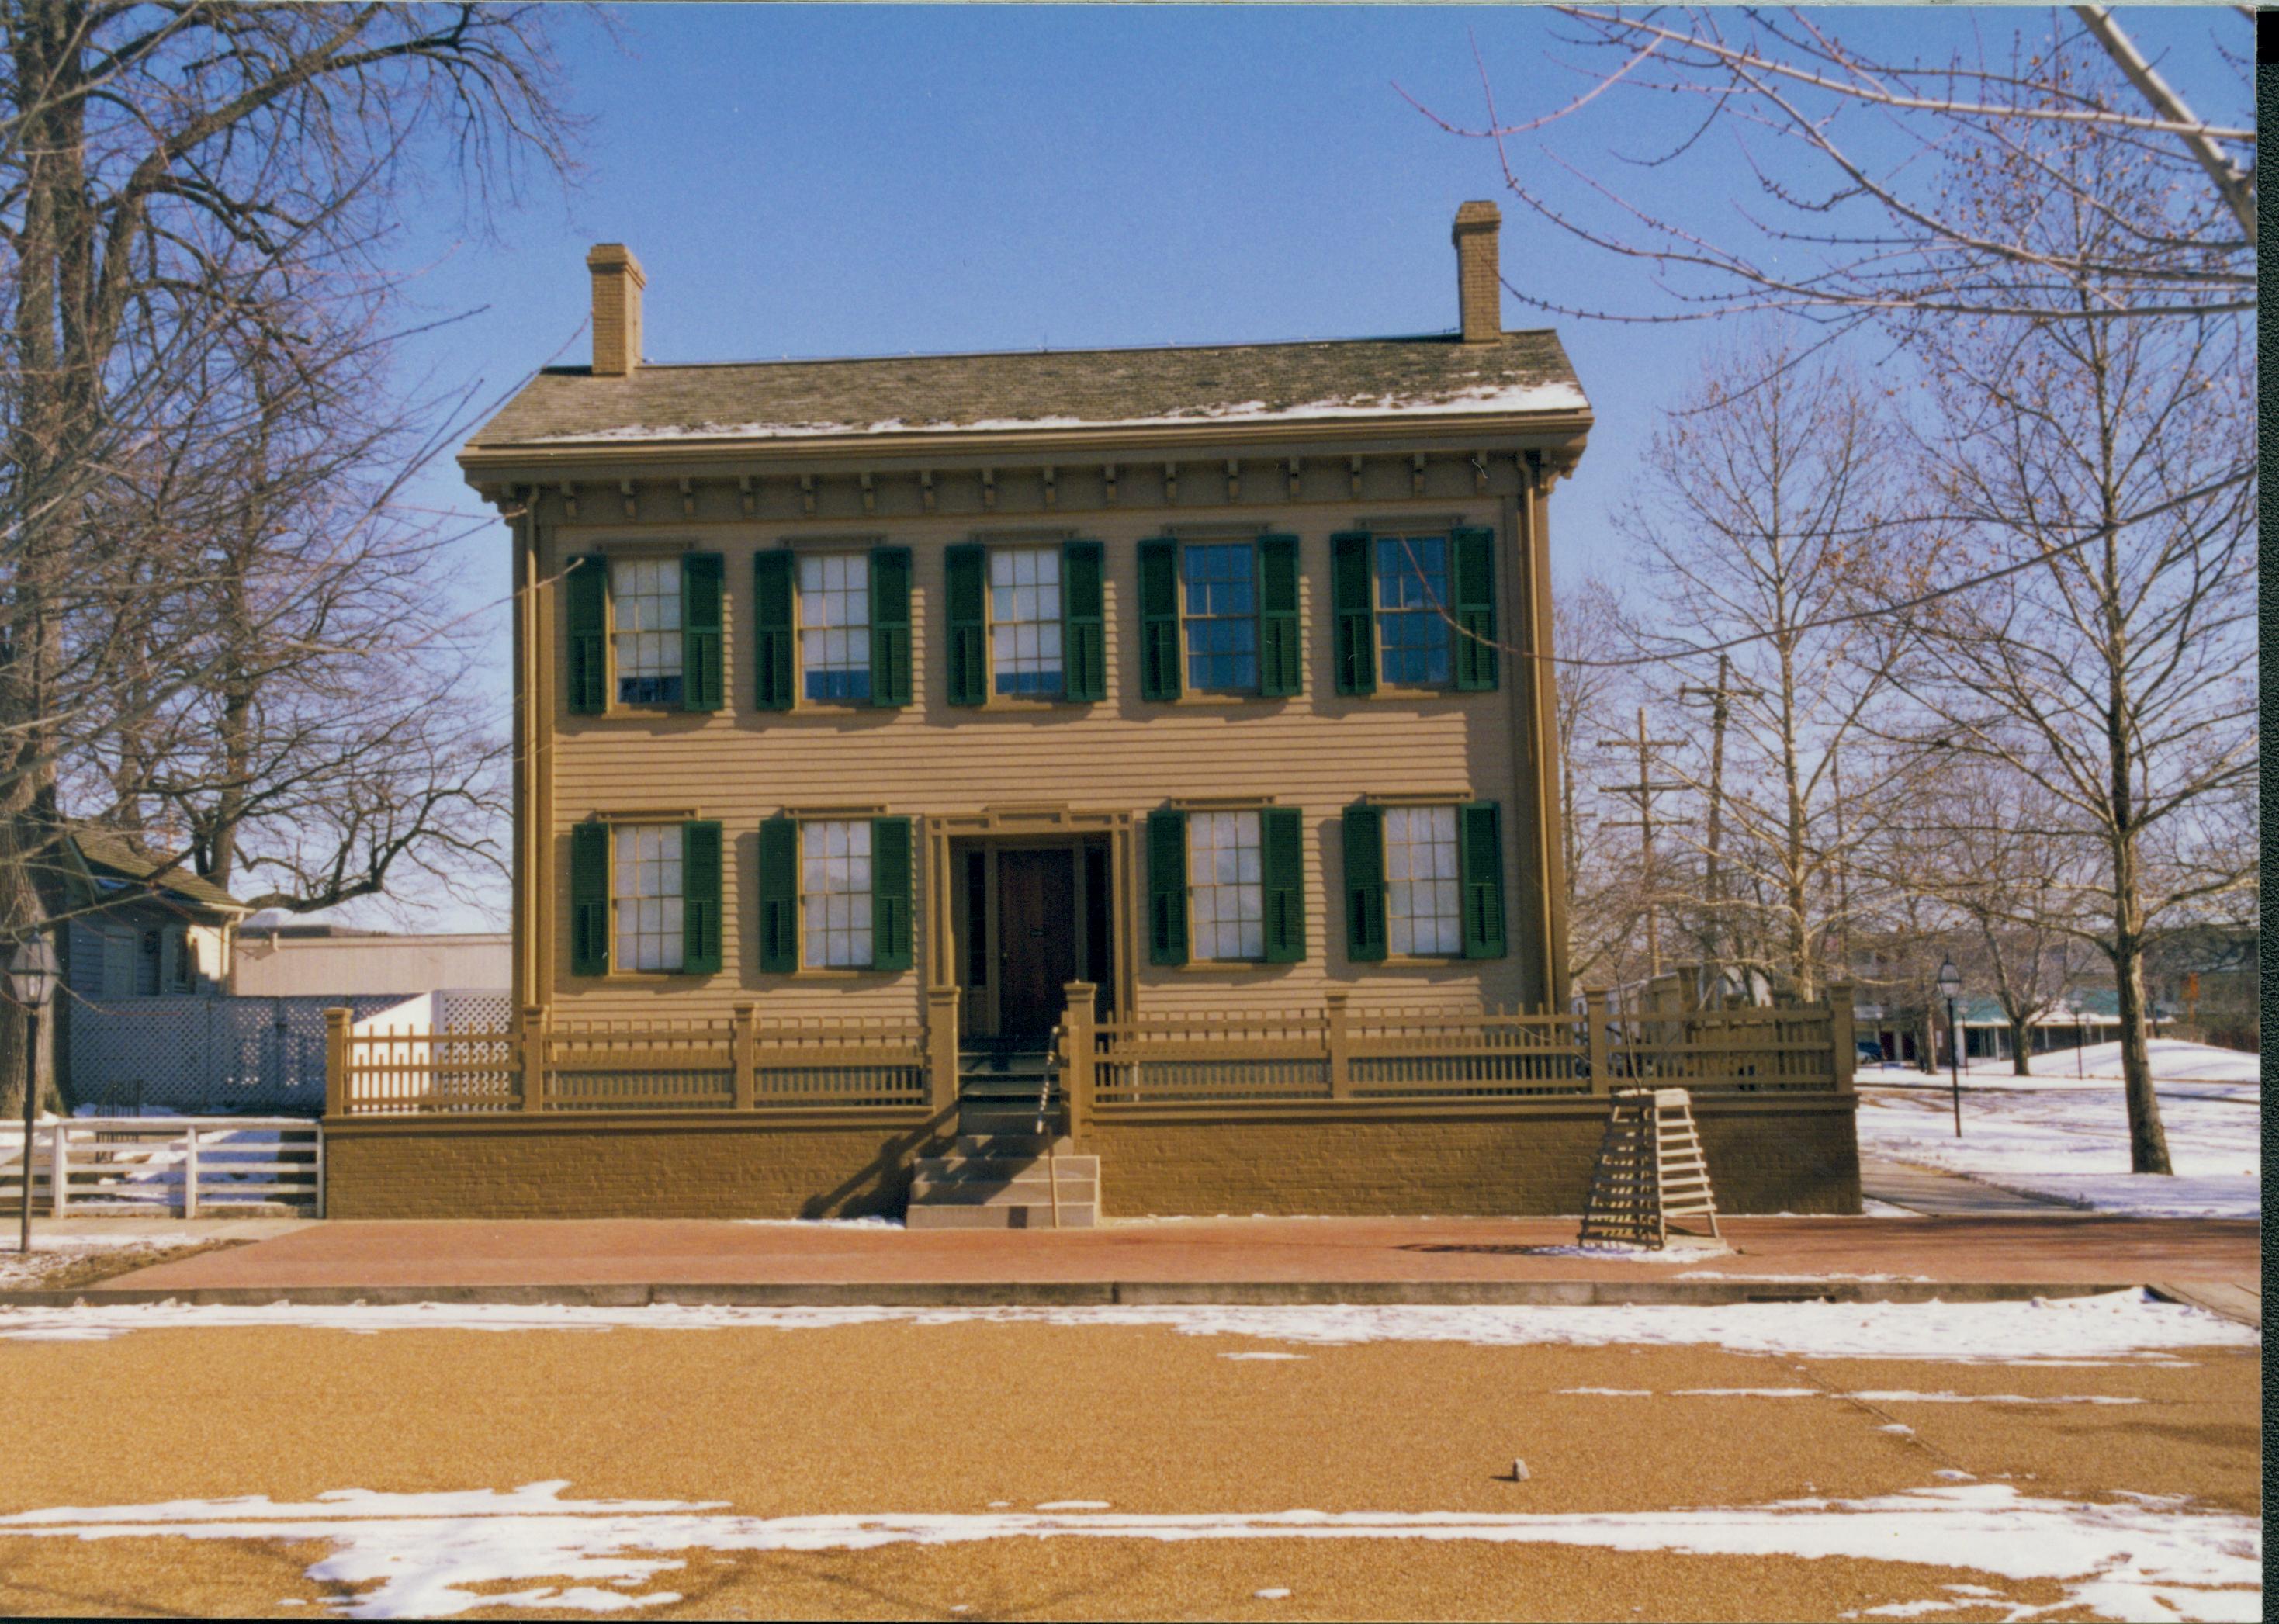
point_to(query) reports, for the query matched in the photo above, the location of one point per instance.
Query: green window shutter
(890, 625)
(1354, 605)
(1084, 624)
(700, 898)
(589, 900)
(1480, 864)
(700, 631)
(1282, 866)
(1364, 884)
(588, 587)
(1474, 588)
(773, 662)
(779, 896)
(1159, 625)
(890, 894)
(1281, 658)
(969, 624)
(1167, 888)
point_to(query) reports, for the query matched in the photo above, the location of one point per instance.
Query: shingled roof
(118, 856)
(1436, 374)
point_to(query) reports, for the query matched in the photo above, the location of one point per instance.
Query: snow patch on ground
(1616, 1251)
(2116, 1326)
(419, 1555)
(51, 1253)
(2067, 1136)
(1867, 1396)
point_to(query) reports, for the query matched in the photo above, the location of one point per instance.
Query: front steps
(999, 1173)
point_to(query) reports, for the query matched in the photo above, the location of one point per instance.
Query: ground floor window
(834, 893)
(1423, 910)
(1226, 893)
(645, 895)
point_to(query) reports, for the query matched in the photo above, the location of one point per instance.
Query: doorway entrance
(1029, 917)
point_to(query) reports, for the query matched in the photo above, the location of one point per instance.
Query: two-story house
(914, 691)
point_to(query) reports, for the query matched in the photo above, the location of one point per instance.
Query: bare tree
(2108, 469)
(1763, 501)
(177, 183)
(1863, 164)
(1606, 900)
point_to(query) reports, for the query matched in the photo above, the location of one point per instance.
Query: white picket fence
(189, 1164)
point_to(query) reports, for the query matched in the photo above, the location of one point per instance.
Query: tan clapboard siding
(1318, 751)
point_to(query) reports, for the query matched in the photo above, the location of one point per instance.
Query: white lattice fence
(203, 1054)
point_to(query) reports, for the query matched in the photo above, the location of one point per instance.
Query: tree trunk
(2021, 1047)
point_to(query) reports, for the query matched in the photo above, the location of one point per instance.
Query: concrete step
(1028, 1215)
(1017, 1193)
(1000, 1125)
(999, 1168)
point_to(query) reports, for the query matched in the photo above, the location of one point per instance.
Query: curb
(1102, 1293)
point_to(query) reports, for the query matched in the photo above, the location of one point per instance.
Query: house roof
(1436, 374)
(115, 853)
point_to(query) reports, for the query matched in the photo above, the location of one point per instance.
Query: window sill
(1417, 960)
(1223, 699)
(641, 713)
(820, 972)
(617, 977)
(1006, 702)
(1215, 967)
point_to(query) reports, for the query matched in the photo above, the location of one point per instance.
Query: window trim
(1189, 692)
(1444, 611)
(992, 699)
(799, 701)
(1453, 805)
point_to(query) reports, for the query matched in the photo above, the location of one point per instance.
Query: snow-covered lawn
(2064, 1131)
(52, 1255)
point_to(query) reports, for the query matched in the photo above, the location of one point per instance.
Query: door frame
(992, 829)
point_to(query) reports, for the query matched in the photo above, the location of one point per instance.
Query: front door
(1036, 940)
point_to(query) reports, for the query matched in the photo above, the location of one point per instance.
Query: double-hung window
(1026, 624)
(1412, 609)
(834, 627)
(830, 628)
(1024, 621)
(1226, 886)
(834, 893)
(1221, 591)
(1227, 892)
(645, 897)
(1219, 617)
(644, 630)
(1423, 906)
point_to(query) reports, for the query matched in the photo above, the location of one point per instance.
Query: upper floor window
(645, 629)
(834, 893)
(1221, 617)
(1024, 621)
(1412, 608)
(834, 627)
(645, 896)
(1423, 904)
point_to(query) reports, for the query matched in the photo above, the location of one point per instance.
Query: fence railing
(540, 1064)
(1335, 1054)
(1358, 1057)
(164, 1164)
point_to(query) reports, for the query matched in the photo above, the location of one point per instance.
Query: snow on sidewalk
(2067, 1136)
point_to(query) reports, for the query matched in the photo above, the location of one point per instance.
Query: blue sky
(848, 181)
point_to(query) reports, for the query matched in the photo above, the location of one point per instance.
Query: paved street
(923, 1459)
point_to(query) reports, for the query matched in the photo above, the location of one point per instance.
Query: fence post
(1840, 1037)
(317, 1135)
(534, 1057)
(747, 1056)
(58, 1167)
(190, 1170)
(336, 1061)
(942, 1048)
(1080, 1034)
(1596, 1017)
(1337, 1036)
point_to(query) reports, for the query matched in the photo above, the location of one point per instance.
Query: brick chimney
(617, 284)
(1479, 286)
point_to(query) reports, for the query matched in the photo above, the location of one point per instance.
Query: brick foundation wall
(715, 1165)
(1797, 1157)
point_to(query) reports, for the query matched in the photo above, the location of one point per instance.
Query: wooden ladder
(1650, 1170)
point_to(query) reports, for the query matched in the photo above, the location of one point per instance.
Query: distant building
(305, 961)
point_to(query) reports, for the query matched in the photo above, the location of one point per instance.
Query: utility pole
(1721, 710)
(1642, 794)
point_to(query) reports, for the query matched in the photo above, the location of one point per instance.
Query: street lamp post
(32, 977)
(1950, 986)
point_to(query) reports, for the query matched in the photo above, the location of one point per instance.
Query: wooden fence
(1334, 1054)
(205, 1165)
(644, 1065)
